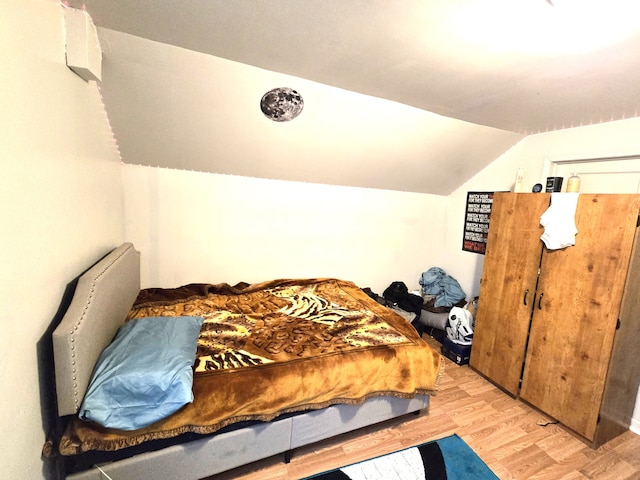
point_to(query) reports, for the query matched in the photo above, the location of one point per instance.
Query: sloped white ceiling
(510, 68)
(175, 108)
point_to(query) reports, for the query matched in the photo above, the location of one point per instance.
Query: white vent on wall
(84, 55)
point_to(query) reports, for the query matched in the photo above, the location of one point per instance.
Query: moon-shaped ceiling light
(281, 104)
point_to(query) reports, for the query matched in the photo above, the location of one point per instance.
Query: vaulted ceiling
(506, 68)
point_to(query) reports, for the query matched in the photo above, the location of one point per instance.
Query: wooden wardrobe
(560, 329)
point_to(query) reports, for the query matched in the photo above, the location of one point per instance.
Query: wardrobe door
(574, 321)
(508, 287)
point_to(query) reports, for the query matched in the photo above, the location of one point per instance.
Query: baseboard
(635, 425)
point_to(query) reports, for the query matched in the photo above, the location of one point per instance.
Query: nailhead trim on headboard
(103, 296)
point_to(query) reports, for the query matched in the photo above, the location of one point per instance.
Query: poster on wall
(476, 221)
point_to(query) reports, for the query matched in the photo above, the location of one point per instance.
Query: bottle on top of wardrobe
(573, 183)
(519, 185)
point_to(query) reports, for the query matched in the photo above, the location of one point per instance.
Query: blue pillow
(145, 374)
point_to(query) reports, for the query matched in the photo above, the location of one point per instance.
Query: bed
(278, 365)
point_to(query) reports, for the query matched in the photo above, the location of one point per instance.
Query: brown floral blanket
(276, 347)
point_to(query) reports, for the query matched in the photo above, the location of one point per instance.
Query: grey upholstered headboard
(103, 297)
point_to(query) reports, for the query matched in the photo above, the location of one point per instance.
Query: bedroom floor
(507, 434)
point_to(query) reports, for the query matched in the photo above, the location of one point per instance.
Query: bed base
(212, 455)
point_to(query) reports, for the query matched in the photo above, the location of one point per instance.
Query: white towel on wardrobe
(559, 221)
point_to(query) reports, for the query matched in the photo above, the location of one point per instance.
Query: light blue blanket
(446, 289)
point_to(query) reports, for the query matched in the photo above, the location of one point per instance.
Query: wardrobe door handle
(539, 300)
(526, 292)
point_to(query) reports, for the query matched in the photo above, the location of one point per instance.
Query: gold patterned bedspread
(276, 347)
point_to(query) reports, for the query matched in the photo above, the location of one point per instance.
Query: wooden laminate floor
(515, 441)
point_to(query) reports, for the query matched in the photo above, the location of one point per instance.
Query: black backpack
(398, 294)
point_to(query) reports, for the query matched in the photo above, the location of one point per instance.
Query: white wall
(60, 210)
(205, 227)
(611, 139)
